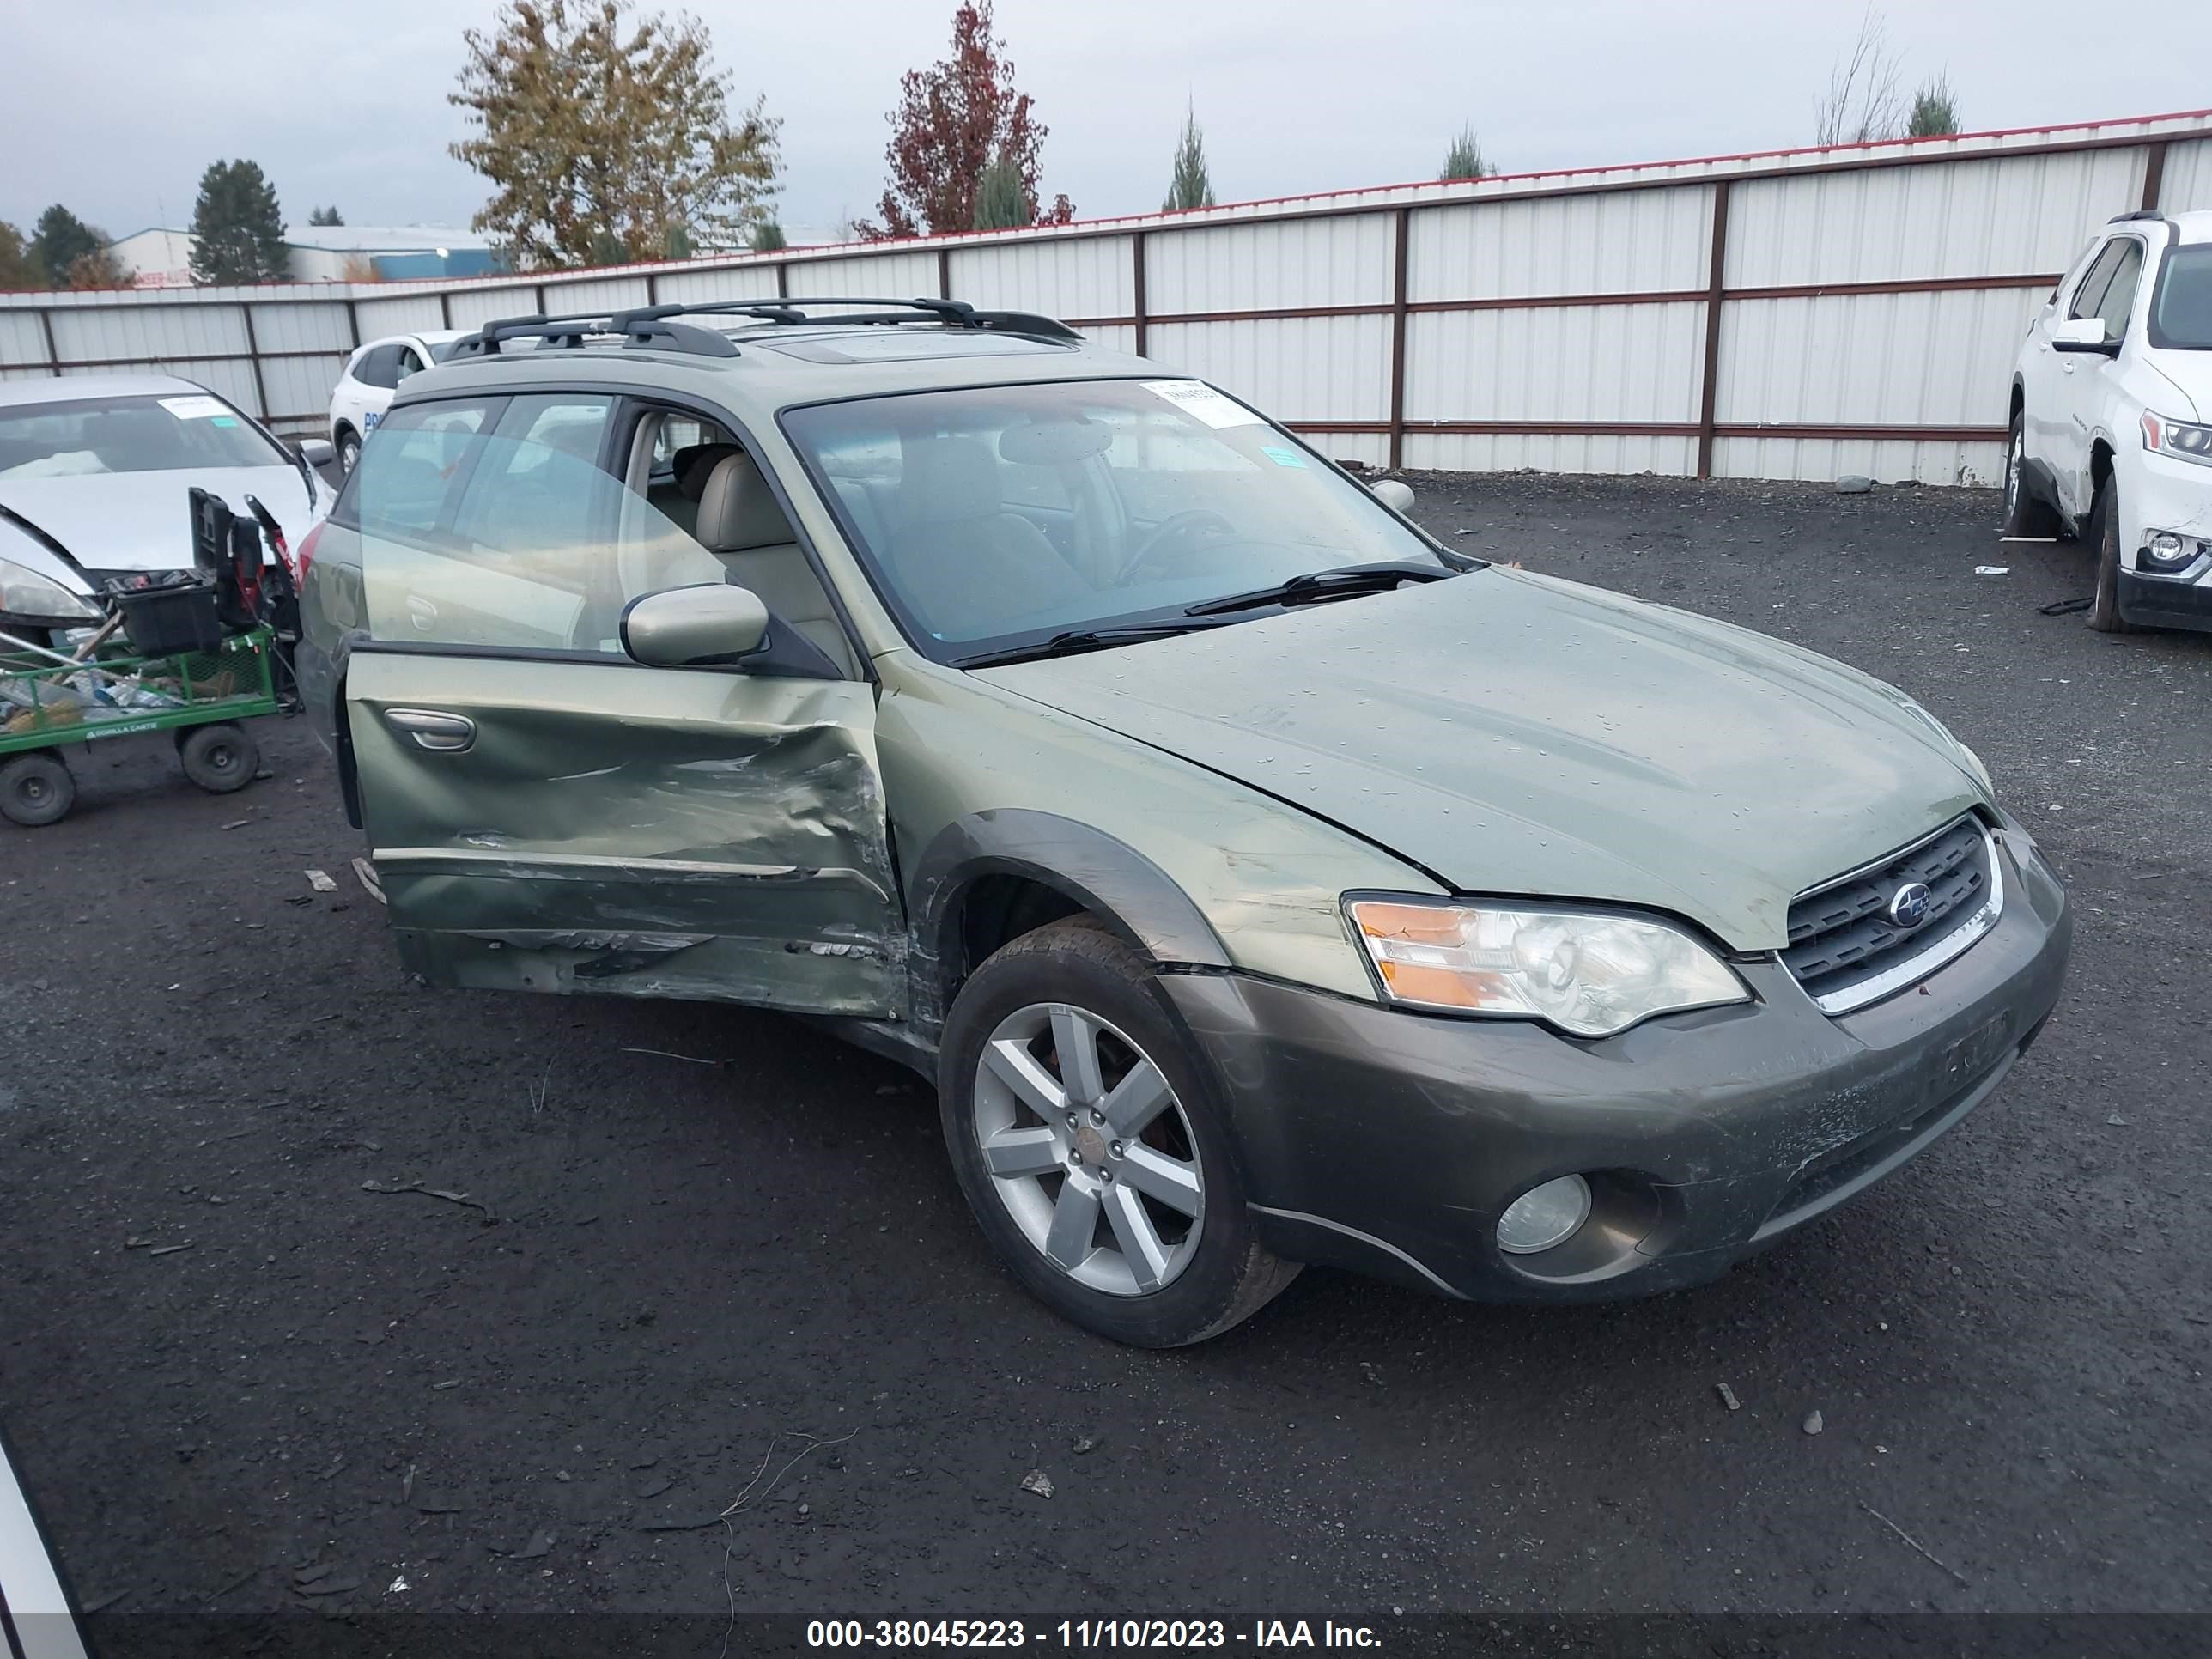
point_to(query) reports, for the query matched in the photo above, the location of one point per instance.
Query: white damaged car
(93, 476)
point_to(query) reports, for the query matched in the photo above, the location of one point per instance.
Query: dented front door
(600, 826)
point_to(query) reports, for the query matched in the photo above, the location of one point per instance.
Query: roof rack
(654, 327)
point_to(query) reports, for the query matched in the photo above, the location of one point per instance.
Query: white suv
(372, 374)
(2111, 420)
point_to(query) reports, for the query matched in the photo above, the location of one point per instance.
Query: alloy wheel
(1089, 1149)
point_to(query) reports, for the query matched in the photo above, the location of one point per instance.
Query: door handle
(432, 729)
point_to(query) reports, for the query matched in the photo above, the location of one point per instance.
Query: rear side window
(492, 524)
(379, 366)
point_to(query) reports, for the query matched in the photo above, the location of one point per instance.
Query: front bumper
(2158, 493)
(1390, 1142)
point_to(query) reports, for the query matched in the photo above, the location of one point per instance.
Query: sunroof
(892, 345)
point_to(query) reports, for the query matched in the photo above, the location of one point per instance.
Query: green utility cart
(199, 697)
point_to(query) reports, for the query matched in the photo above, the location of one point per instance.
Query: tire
(2104, 614)
(1170, 1270)
(2024, 515)
(349, 449)
(36, 790)
(221, 758)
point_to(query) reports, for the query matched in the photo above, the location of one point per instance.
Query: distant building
(162, 257)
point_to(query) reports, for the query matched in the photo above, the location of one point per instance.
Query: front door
(546, 814)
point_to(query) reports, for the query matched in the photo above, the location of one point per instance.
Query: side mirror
(694, 627)
(1397, 496)
(317, 451)
(2082, 334)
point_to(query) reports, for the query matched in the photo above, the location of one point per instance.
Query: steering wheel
(1171, 530)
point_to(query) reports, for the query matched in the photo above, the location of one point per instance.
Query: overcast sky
(114, 106)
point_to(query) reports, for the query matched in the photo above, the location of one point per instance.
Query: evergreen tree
(1189, 186)
(238, 230)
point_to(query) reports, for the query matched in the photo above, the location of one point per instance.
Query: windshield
(2181, 310)
(992, 517)
(173, 434)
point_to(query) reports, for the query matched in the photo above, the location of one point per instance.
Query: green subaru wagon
(1259, 881)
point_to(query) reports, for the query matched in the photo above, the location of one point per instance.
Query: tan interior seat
(741, 523)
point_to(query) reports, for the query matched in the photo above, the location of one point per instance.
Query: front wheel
(349, 449)
(1083, 1130)
(2024, 515)
(2105, 537)
(36, 790)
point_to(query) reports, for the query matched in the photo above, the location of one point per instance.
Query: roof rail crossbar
(647, 328)
(656, 327)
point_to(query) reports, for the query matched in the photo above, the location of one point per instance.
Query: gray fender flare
(1108, 878)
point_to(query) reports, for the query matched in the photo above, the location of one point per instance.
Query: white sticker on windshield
(200, 408)
(1203, 402)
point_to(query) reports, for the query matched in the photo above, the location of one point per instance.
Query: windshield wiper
(1315, 586)
(1082, 639)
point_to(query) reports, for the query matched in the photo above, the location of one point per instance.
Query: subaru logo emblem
(1908, 906)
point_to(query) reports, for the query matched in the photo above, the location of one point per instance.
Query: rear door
(546, 814)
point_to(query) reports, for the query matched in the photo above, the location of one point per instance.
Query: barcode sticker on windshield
(195, 409)
(1203, 402)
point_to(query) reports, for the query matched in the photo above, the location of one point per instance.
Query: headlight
(25, 592)
(2179, 439)
(1585, 972)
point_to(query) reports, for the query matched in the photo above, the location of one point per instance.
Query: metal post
(782, 280)
(53, 351)
(944, 273)
(445, 311)
(1403, 236)
(2153, 174)
(1708, 397)
(352, 322)
(651, 288)
(1137, 291)
(253, 356)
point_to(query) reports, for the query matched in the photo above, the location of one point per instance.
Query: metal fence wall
(1798, 314)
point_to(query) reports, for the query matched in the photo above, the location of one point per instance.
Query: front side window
(991, 517)
(2181, 305)
(2120, 295)
(170, 433)
(490, 523)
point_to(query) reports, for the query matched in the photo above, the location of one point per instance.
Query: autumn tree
(98, 269)
(18, 267)
(608, 137)
(59, 241)
(238, 230)
(955, 119)
(1189, 185)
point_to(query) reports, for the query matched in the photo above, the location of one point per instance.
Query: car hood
(2188, 372)
(112, 522)
(1515, 734)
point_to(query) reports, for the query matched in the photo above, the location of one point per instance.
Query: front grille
(1841, 938)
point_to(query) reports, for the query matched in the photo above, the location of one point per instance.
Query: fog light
(1544, 1216)
(2168, 551)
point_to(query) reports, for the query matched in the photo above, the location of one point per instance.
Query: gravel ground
(683, 1270)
